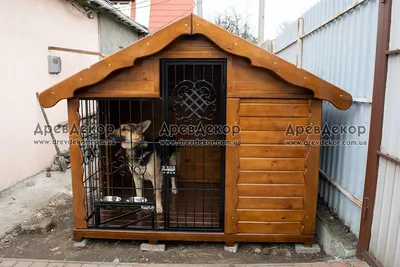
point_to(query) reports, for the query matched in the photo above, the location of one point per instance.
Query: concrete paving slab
(149, 247)
(22, 200)
(300, 248)
(232, 249)
(23, 263)
(8, 263)
(39, 264)
(81, 244)
(109, 264)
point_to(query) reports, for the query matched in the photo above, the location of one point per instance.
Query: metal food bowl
(136, 200)
(112, 199)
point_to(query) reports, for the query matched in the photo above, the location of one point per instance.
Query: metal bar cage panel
(130, 168)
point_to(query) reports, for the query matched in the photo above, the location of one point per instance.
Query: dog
(144, 158)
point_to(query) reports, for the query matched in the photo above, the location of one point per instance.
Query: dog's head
(130, 134)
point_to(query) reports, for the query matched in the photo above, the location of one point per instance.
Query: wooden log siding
(140, 81)
(274, 178)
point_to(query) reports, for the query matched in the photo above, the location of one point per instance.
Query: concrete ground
(22, 200)
(39, 263)
(27, 199)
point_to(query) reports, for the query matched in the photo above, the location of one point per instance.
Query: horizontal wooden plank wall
(192, 47)
(139, 81)
(199, 164)
(254, 82)
(271, 181)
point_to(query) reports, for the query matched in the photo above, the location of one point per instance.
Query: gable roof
(190, 25)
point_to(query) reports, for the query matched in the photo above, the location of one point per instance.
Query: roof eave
(228, 42)
(106, 6)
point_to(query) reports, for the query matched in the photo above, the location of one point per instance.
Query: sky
(276, 12)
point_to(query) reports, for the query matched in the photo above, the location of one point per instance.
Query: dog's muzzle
(116, 137)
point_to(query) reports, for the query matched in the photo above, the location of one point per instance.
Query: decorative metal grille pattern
(194, 101)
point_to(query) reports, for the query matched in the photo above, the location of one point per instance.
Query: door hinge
(365, 207)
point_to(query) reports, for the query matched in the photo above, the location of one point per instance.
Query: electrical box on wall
(54, 64)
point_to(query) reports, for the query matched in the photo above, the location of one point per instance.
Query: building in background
(28, 29)
(155, 14)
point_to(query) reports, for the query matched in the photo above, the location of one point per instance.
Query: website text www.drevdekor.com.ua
(325, 142)
(172, 143)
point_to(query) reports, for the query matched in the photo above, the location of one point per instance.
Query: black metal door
(193, 96)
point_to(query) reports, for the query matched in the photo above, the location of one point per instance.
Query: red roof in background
(163, 12)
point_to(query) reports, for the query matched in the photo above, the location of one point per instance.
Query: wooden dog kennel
(255, 188)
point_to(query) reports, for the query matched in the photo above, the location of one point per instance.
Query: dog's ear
(143, 126)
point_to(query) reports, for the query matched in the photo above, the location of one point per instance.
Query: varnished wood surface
(274, 110)
(272, 151)
(268, 137)
(257, 80)
(272, 164)
(78, 190)
(267, 190)
(272, 182)
(185, 236)
(231, 169)
(311, 173)
(270, 215)
(200, 164)
(269, 227)
(271, 177)
(138, 81)
(246, 81)
(253, 202)
(270, 123)
(190, 46)
(261, 83)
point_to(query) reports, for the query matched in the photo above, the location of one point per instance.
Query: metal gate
(121, 178)
(193, 95)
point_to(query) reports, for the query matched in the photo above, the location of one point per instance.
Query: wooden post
(375, 136)
(299, 54)
(78, 191)
(231, 169)
(311, 172)
(261, 21)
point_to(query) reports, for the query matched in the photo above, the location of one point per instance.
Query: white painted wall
(143, 12)
(27, 29)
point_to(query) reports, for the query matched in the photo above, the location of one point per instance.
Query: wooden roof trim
(262, 58)
(126, 57)
(193, 24)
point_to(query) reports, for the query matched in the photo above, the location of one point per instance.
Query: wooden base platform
(196, 206)
(187, 236)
